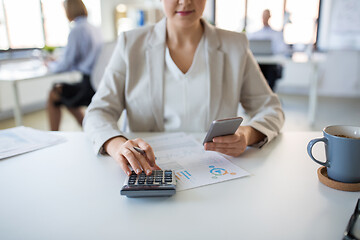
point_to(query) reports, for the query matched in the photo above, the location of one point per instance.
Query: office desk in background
(17, 71)
(300, 58)
(66, 192)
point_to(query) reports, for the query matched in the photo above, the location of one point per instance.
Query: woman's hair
(74, 9)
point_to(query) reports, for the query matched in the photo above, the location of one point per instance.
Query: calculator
(161, 183)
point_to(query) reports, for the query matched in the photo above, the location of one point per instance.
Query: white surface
(272, 59)
(19, 140)
(65, 192)
(18, 71)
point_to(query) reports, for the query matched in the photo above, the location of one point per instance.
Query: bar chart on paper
(206, 168)
(193, 166)
(183, 175)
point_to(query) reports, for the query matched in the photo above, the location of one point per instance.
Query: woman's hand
(234, 145)
(122, 150)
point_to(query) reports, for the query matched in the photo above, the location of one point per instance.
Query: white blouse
(182, 89)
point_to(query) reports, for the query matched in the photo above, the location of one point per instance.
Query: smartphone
(352, 231)
(222, 127)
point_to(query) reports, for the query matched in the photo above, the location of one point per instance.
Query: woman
(84, 44)
(180, 75)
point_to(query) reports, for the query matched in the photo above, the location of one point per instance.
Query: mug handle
(309, 150)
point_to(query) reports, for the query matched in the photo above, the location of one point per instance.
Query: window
(230, 14)
(94, 13)
(303, 15)
(23, 18)
(36, 23)
(235, 14)
(55, 22)
(4, 44)
(255, 10)
(208, 14)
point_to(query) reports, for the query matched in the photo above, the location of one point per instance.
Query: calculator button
(150, 181)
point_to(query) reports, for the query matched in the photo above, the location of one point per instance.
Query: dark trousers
(272, 72)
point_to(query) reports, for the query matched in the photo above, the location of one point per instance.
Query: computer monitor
(261, 46)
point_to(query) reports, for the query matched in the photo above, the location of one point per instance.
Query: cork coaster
(324, 179)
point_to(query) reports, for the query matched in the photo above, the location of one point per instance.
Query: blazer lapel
(155, 57)
(216, 67)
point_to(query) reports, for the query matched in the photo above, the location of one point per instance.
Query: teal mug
(342, 150)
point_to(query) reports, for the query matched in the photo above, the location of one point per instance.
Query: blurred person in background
(272, 72)
(83, 47)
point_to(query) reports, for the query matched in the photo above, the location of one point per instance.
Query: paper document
(193, 166)
(18, 140)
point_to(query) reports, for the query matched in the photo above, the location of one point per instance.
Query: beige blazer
(133, 80)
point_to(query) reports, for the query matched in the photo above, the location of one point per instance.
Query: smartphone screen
(222, 127)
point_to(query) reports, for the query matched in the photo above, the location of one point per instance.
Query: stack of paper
(193, 166)
(15, 141)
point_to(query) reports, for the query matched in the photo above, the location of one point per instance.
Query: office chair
(98, 72)
(101, 62)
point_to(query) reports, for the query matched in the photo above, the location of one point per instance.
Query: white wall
(339, 76)
(339, 27)
(108, 15)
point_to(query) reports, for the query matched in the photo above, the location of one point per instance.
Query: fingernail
(128, 173)
(148, 171)
(138, 171)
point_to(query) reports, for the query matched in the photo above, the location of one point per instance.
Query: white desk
(314, 60)
(15, 72)
(66, 192)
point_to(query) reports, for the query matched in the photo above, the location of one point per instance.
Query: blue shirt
(83, 47)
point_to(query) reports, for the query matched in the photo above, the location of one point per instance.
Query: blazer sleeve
(102, 116)
(259, 101)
